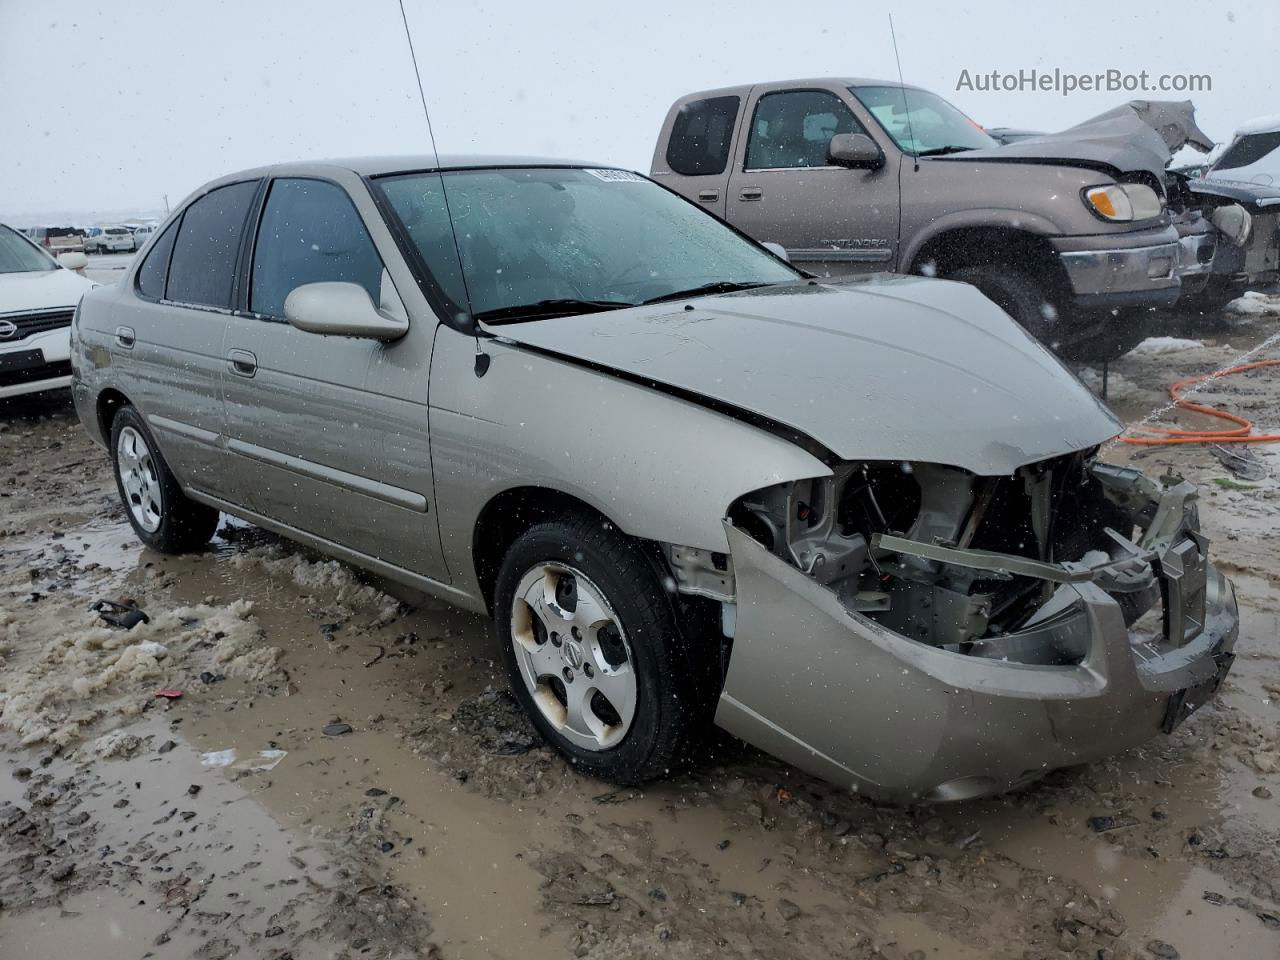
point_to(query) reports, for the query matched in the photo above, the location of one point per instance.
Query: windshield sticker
(616, 176)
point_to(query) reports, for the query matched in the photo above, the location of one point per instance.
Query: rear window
(700, 137)
(1247, 150)
(202, 270)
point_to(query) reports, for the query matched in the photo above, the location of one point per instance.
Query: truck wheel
(159, 512)
(594, 651)
(1017, 295)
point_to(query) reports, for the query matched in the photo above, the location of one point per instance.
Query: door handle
(750, 193)
(242, 363)
(125, 337)
(708, 196)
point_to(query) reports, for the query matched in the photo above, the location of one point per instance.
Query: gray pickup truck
(1070, 234)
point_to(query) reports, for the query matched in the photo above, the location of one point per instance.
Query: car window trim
(259, 209)
(749, 128)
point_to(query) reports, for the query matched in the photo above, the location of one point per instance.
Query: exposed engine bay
(972, 564)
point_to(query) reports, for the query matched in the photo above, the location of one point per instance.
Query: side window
(701, 135)
(793, 128)
(203, 267)
(155, 269)
(310, 232)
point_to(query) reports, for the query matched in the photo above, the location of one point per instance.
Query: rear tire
(160, 513)
(581, 614)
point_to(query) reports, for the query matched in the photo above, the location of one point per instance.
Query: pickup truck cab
(857, 176)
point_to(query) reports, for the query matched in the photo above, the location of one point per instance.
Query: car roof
(1268, 124)
(743, 89)
(376, 166)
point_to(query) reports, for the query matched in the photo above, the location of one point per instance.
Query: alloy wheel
(139, 479)
(574, 656)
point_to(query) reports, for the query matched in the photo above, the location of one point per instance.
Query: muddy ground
(344, 775)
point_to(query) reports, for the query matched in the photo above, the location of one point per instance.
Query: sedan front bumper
(842, 697)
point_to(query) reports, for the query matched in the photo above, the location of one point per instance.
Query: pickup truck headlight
(1122, 202)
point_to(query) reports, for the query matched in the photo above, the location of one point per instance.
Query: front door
(833, 221)
(305, 419)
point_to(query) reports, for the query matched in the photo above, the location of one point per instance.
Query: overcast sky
(109, 106)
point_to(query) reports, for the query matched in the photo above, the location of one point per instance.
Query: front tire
(160, 513)
(1019, 296)
(594, 650)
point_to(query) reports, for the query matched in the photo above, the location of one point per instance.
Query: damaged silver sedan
(862, 525)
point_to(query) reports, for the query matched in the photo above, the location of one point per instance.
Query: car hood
(1138, 135)
(893, 368)
(43, 290)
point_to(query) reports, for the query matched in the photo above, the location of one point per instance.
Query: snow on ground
(1255, 304)
(328, 578)
(1159, 345)
(76, 670)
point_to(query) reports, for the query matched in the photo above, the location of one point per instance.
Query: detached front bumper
(1122, 269)
(842, 697)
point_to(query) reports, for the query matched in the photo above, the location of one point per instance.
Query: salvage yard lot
(345, 775)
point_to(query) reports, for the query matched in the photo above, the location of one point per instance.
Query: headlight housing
(1123, 202)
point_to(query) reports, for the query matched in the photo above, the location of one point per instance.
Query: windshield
(921, 122)
(560, 237)
(1255, 152)
(19, 255)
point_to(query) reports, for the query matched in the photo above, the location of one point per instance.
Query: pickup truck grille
(29, 324)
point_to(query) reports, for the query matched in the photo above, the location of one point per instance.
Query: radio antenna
(422, 96)
(902, 85)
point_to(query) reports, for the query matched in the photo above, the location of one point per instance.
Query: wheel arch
(1016, 244)
(109, 403)
(510, 513)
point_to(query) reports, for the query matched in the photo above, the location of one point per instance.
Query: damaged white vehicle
(861, 524)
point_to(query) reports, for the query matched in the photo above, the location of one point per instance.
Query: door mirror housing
(73, 261)
(856, 151)
(337, 309)
(777, 249)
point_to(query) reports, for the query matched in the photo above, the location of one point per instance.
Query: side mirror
(73, 261)
(856, 151)
(777, 249)
(340, 310)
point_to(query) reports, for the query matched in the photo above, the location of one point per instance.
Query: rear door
(308, 420)
(694, 148)
(168, 335)
(832, 220)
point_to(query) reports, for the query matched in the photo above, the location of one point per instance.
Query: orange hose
(1238, 434)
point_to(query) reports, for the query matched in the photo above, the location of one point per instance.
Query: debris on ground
(1241, 460)
(123, 614)
(498, 723)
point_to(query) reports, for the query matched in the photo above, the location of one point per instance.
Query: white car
(1253, 155)
(38, 296)
(109, 240)
(142, 234)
